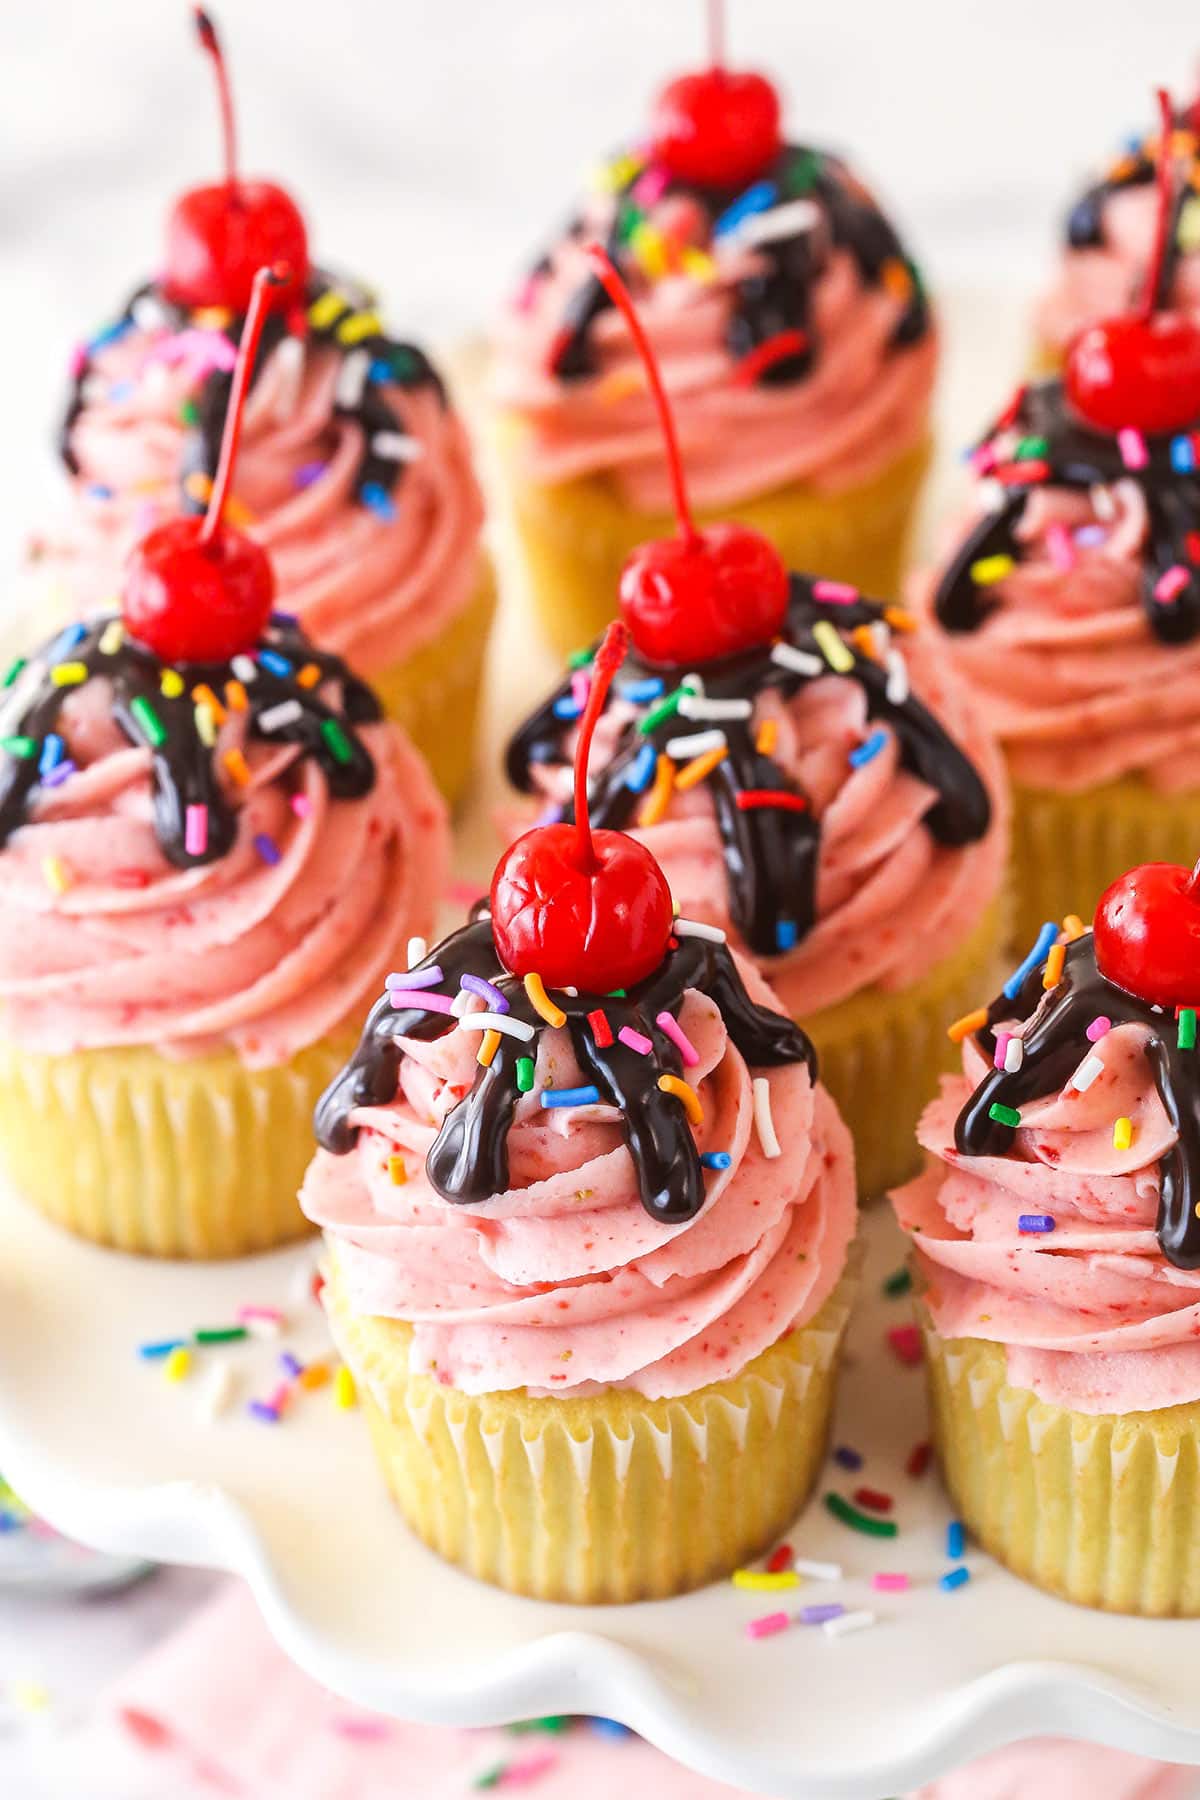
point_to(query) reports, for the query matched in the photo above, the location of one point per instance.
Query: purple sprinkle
(307, 473)
(475, 984)
(259, 1409)
(285, 618)
(817, 1615)
(1090, 534)
(58, 774)
(291, 1365)
(267, 848)
(848, 1458)
(415, 978)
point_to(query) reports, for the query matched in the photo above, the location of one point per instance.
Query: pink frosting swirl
(369, 587)
(1065, 668)
(1097, 283)
(864, 402)
(1092, 1315)
(266, 957)
(564, 1284)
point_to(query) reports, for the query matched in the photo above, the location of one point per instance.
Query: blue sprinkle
(640, 772)
(9, 1522)
(848, 1458)
(716, 1159)
(756, 199)
(576, 1096)
(868, 750)
(111, 334)
(52, 753)
(475, 984)
(1035, 1222)
(786, 934)
(1045, 938)
(1183, 455)
(267, 848)
(610, 1728)
(954, 1578)
(956, 1540)
(274, 663)
(66, 640)
(285, 618)
(640, 693)
(98, 491)
(372, 494)
(380, 371)
(152, 1352)
(566, 707)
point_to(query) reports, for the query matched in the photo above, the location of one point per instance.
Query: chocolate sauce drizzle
(1039, 442)
(779, 297)
(1056, 1043)
(1085, 225)
(184, 768)
(770, 851)
(337, 315)
(468, 1161)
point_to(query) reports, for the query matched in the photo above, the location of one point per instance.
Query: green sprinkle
(525, 1074)
(189, 413)
(14, 669)
(555, 1725)
(221, 1334)
(148, 721)
(1187, 1028)
(616, 993)
(20, 747)
(404, 364)
(859, 1521)
(898, 1284)
(1004, 1115)
(340, 747)
(802, 172)
(664, 709)
(491, 1777)
(1030, 449)
(581, 659)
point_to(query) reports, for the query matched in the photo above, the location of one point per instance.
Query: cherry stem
(609, 657)
(1191, 886)
(1151, 298)
(716, 35)
(243, 368)
(206, 31)
(607, 273)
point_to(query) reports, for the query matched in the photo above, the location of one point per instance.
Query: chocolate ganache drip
(770, 836)
(1055, 1044)
(281, 687)
(1038, 442)
(773, 306)
(468, 1162)
(1138, 167)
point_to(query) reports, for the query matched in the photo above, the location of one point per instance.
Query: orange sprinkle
(237, 766)
(864, 638)
(398, 1170)
(685, 1094)
(314, 1375)
(768, 737)
(899, 618)
(694, 772)
(968, 1024)
(541, 1002)
(620, 384)
(488, 1049)
(1074, 927)
(309, 675)
(1052, 974)
(203, 695)
(657, 800)
(896, 278)
(235, 694)
(198, 486)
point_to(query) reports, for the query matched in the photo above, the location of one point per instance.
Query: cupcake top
(791, 323)
(1057, 1213)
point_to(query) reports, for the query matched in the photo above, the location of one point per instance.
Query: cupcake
(808, 775)
(589, 1219)
(211, 848)
(356, 472)
(795, 337)
(1056, 1229)
(1109, 240)
(1069, 599)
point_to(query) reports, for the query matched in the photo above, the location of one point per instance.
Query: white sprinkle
(764, 1124)
(462, 1002)
(694, 684)
(572, 993)
(300, 1292)
(352, 379)
(992, 494)
(276, 717)
(818, 1571)
(800, 662)
(149, 313)
(217, 1391)
(1014, 1055)
(93, 388)
(796, 217)
(1103, 504)
(897, 678)
(418, 950)
(487, 1021)
(847, 1622)
(693, 928)
(1086, 1073)
(245, 668)
(694, 706)
(289, 360)
(681, 748)
(393, 446)
(260, 1327)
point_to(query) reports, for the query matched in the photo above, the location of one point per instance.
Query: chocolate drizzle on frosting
(468, 1162)
(335, 315)
(285, 682)
(1055, 1044)
(770, 846)
(1085, 226)
(1039, 442)
(777, 299)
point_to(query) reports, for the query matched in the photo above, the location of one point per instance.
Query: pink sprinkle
(667, 1023)
(1171, 583)
(889, 1583)
(280, 1397)
(79, 361)
(905, 1341)
(526, 294)
(768, 1625)
(195, 830)
(363, 1730)
(1132, 446)
(1003, 1040)
(581, 687)
(635, 1040)
(420, 1000)
(1099, 1028)
(528, 1769)
(302, 806)
(650, 186)
(983, 460)
(260, 1312)
(1061, 546)
(835, 593)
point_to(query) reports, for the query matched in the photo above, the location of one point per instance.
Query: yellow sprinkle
(606, 178)
(235, 696)
(206, 726)
(203, 695)
(768, 737)
(832, 648)
(397, 1169)
(28, 1696)
(698, 264)
(309, 675)
(326, 308)
(990, 569)
(1073, 926)
(1122, 1134)
(899, 618)
(237, 766)
(314, 1375)
(758, 1581)
(1188, 235)
(488, 1049)
(56, 874)
(694, 772)
(688, 1097)
(237, 512)
(541, 1002)
(344, 1390)
(197, 486)
(1052, 973)
(967, 1025)
(359, 326)
(178, 1365)
(68, 674)
(171, 684)
(650, 248)
(212, 318)
(657, 800)
(620, 384)
(112, 637)
(896, 278)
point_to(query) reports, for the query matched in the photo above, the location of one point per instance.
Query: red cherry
(582, 908)
(219, 236)
(1143, 373)
(716, 129)
(1147, 934)
(196, 590)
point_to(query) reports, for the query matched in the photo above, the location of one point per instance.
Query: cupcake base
(1097, 1508)
(576, 536)
(1067, 848)
(435, 693)
(200, 1158)
(609, 1498)
(880, 1053)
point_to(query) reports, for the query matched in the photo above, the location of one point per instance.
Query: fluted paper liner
(606, 1498)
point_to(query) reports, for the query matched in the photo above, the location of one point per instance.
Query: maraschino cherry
(701, 595)
(1141, 370)
(1147, 934)
(196, 590)
(582, 908)
(716, 128)
(219, 236)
